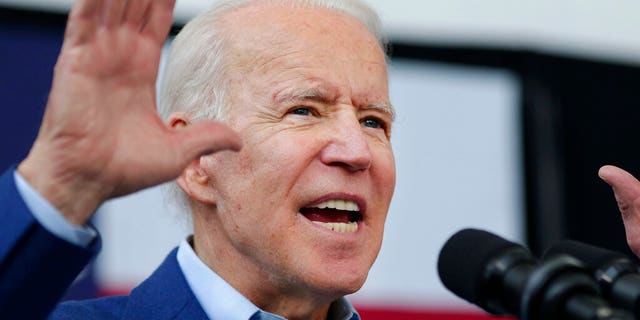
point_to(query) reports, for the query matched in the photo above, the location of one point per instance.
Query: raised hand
(627, 192)
(101, 136)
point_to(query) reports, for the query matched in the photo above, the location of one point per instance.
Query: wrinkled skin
(101, 136)
(309, 98)
(626, 189)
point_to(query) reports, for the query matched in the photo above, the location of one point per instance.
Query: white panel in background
(584, 28)
(457, 146)
(137, 231)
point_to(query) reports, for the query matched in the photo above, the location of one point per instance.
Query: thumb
(627, 192)
(625, 186)
(205, 137)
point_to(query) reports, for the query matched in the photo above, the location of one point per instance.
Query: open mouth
(337, 215)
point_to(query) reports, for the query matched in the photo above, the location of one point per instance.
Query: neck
(267, 290)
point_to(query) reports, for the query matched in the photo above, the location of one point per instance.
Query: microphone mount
(504, 278)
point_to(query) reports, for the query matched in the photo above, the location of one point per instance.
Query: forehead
(304, 44)
(281, 25)
(293, 17)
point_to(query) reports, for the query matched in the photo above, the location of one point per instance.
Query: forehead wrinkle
(266, 61)
(317, 92)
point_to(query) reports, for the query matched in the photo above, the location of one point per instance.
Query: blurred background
(506, 110)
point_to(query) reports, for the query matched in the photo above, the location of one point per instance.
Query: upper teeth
(346, 205)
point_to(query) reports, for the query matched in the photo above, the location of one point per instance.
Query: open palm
(101, 136)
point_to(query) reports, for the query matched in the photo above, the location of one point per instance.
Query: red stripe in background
(390, 313)
(371, 313)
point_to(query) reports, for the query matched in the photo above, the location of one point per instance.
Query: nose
(347, 146)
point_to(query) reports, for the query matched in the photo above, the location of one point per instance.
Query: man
(283, 227)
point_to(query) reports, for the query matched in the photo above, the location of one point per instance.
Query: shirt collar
(220, 301)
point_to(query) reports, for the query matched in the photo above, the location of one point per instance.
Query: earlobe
(195, 183)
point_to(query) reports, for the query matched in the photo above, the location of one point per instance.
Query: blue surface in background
(27, 56)
(29, 47)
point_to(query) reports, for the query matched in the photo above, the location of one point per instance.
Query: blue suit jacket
(164, 295)
(36, 268)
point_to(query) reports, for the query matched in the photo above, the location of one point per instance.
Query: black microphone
(617, 275)
(504, 278)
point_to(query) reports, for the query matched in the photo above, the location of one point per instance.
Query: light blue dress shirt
(221, 301)
(50, 218)
(218, 299)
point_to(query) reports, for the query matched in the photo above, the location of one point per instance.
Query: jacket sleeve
(36, 267)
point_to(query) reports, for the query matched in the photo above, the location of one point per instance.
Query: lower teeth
(339, 226)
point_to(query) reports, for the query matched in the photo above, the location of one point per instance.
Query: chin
(353, 286)
(340, 282)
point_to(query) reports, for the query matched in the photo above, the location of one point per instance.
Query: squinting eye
(301, 111)
(372, 123)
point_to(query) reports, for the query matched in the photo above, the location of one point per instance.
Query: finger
(625, 186)
(627, 192)
(205, 137)
(86, 9)
(159, 19)
(113, 12)
(135, 11)
(84, 18)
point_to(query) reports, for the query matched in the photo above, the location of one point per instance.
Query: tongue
(326, 215)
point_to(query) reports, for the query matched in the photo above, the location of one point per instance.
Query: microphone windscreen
(592, 257)
(463, 259)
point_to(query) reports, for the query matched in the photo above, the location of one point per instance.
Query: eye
(301, 111)
(372, 123)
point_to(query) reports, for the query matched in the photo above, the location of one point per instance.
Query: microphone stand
(561, 289)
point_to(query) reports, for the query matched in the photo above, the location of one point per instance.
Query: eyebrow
(383, 107)
(321, 94)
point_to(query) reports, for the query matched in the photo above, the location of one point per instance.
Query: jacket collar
(164, 295)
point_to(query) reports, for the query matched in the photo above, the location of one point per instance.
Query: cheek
(282, 155)
(385, 172)
(257, 177)
(384, 176)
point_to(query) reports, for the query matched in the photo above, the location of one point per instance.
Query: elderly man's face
(303, 204)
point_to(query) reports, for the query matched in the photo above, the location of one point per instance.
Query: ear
(195, 182)
(193, 179)
(178, 120)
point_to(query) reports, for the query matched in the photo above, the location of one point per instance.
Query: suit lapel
(164, 295)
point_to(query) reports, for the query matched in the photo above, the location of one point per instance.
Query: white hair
(196, 69)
